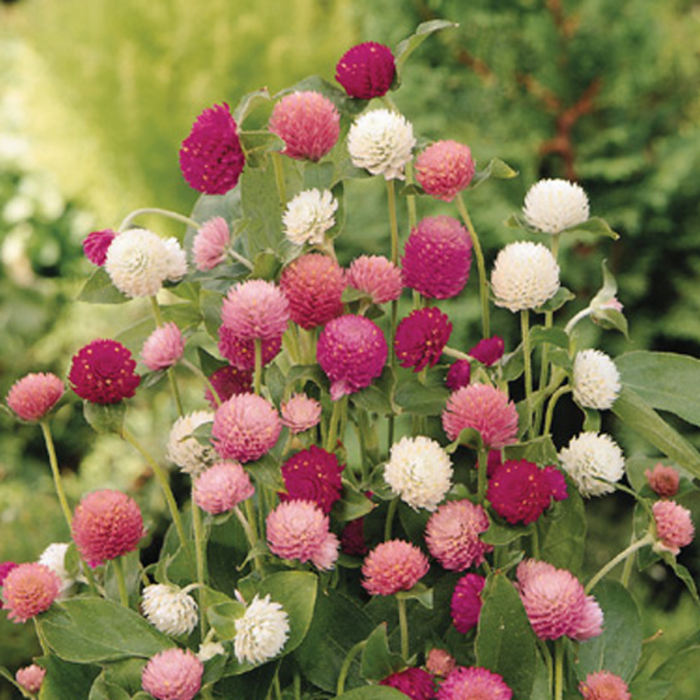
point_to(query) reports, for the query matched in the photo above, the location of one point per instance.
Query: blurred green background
(95, 98)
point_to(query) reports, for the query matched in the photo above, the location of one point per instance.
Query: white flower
(54, 556)
(183, 449)
(591, 457)
(419, 472)
(261, 632)
(309, 215)
(169, 609)
(176, 260)
(208, 650)
(554, 205)
(596, 380)
(381, 142)
(525, 276)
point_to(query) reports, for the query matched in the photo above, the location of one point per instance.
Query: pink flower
(106, 525)
(485, 409)
(674, 528)
(416, 683)
(255, 309)
(33, 396)
(458, 375)
(301, 413)
(211, 157)
(440, 662)
(240, 352)
(437, 258)
(313, 475)
(31, 678)
(452, 535)
(664, 481)
(603, 685)
(29, 589)
(377, 277)
(163, 348)
(352, 351)
(210, 244)
(474, 683)
(444, 169)
(308, 123)
(488, 351)
(245, 428)
(174, 674)
(393, 566)
(228, 381)
(466, 602)
(421, 337)
(366, 70)
(221, 487)
(299, 530)
(96, 244)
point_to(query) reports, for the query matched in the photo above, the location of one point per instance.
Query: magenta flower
(416, 683)
(603, 685)
(313, 475)
(5, 568)
(240, 352)
(393, 566)
(96, 244)
(31, 678)
(221, 487)
(174, 674)
(474, 683)
(458, 375)
(421, 338)
(255, 309)
(674, 528)
(33, 396)
(663, 481)
(488, 351)
(301, 413)
(377, 277)
(366, 70)
(466, 602)
(29, 589)
(163, 348)
(211, 243)
(444, 169)
(228, 381)
(352, 538)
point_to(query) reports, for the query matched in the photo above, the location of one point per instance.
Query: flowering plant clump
(364, 509)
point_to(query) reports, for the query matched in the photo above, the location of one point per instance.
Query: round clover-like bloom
(96, 244)
(416, 683)
(419, 471)
(262, 631)
(308, 123)
(183, 448)
(313, 285)
(440, 662)
(366, 70)
(175, 260)
(393, 566)
(31, 678)
(255, 309)
(227, 381)
(163, 348)
(221, 487)
(29, 589)
(596, 380)
(211, 243)
(299, 530)
(604, 685)
(554, 205)
(485, 409)
(437, 257)
(474, 683)
(421, 337)
(377, 277)
(444, 169)
(381, 142)
(106, 525)
(488, 351)
(33, 396)
(591, 460)
(169, 609)
(466, 602)
(674, 528)
(459, 375)
(173, 674)
(663, 481)
(301, 413)
(211, 157)
(313, 475)
(240, 352)
(54, 556)
(5, 568)
(309, 215)
(352, 351)
(452, 535)
(103, 372)
(525, 276)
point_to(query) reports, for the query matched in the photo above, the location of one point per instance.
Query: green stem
(559, 668)
(457, 354)
(239, 258)
(199, 560)
(347, 662)
(278, 688)
(576, 318)
(411, 198)
(547, 660)
(58, 482)
(549, 415)
(483, 457)
(391, 512)
(121, 581)
(525, 331)
(257, 375)
(332, 437)
(647, 539)
(162, 212)
(156, 311)
(279, 178)
(535, 542)
(251, 531)
(403, 626)
(198, 372)
(627, 570)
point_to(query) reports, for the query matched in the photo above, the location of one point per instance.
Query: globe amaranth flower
(222, 487)
(183, 448)
(96, 244)
(245, 428)
(674, 528)
(103, 372)
(29, 589)
(173, 674)
(488, 351)
(458, 375)
(525, 276)
(603, 685)
(313, 475)
(308, 123)
(308, 216)
(31, 678)
(416, 683)
(419, 472)
(33, 396)
(554, 205)
(54, 556)
(169, 609)
(366, 70)
(240, 352)
(377, 277)
(381, 142)
(255, 309)
(107, 524)
(421, 338)
(299, 530)
(352, 351)
(452, 535)
(393, 566)
(313, 285)
(300, 412)
(592, 460)
(227, 381)
(211, 243)
(520, 491)
(175, 260)
(466, 603)
(163, 348)
(444, 169)
(437, 257)
(440, 662)
(474, 683)
(262, 631)
(663, 481)
(211, 157)
(5, 568)
(596, 380)
(485, 409)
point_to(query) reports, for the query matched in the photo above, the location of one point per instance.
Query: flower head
(5, 568)
(96, 244)
(554, 205)
(674, 528)
(31, 678)
(262, 631)
(444, 169)
(29, 589)
(240, 351)
(210, 243)
(421, 337)
(308, 216)
(163, 348)
(377, 277)
(313, 475)
(308, 123)
(366, 70)
(416, 683)
(603, 685)
(458, 375)
(488, 351)
(174, 674)
(183, 448)
(381, 141)
(300, 413)
(103, 372)
(255, 309)
(211, 157)
(221, 487)
(596, 380)
(663, 481)
(175, 260)
(33, 396)
(227, 381)
(169, 609)
(54, 556)
(474, 683)
(393, 566)
(466, 602)
(591, 460)
(440, 662)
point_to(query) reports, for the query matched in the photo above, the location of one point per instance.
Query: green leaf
(420, 592)
(265, 266)
(495, 169)
(66, 681)
(562, 296)
(645, 689)
(611, 320)
(594, 225)
(248, 103)
(682, 666)
(261, 207)
(99, 290)
(253, 685)
(683, 574)
(378, 661)
(102, 689)
(468, 437)
(504, 534)
(554, 336)
(352, 505)
(372, 692)
(222, 617)
(105, 418)
(541, 451)
(208, 363)
(376, 398)
(411, 43)
(421, 399)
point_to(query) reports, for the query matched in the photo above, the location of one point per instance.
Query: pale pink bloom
(377, 277)
(29, 589)
(255, 309)
(301, 413)
(603, 685)
(393, 566)
(674, 528)
(663, 481)
(210, 243)
(163, 348)
(440, 662)
(221, 487)
(33, 396)
(31, 678)
(473, 683)
(174, 674)
(444, 169)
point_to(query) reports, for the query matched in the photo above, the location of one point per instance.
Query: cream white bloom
(419, 471)
(309, 215)
(381, 141)
(183, 449)
(591, 457)
(176, 260)
(525, 276)
(169, 609)
(596, 380)
(554, 205)
(261, 632)
(208, 650)
(54, 556)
